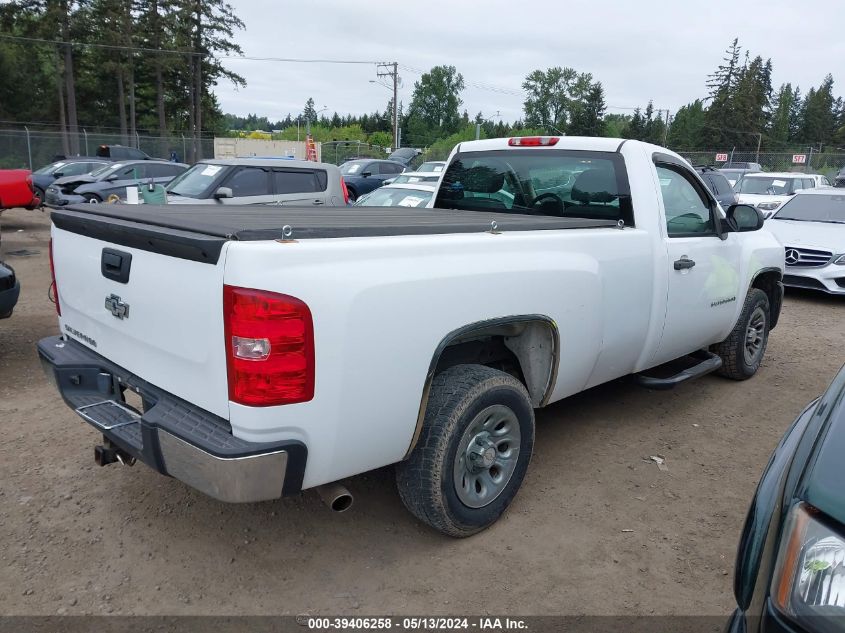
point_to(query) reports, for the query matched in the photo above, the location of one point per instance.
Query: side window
(75, 169)
(372, 168)
(249, 181)
(825, 181)
(687, 207)
(322, 180)
(721, 184)
(298, 181)
(390, 168)
(154, 170)
(132, 172)
(162, 170)
(171, 171)
(809, 183)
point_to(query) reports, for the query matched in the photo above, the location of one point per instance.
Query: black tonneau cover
(198, 232)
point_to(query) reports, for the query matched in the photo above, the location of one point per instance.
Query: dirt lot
(82, 539)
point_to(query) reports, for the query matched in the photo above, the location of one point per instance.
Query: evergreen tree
(687, 128)
(587, 116)
(780, 125)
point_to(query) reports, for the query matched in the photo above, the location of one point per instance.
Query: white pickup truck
(256, 352)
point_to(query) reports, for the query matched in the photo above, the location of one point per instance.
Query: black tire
(41, 195)
(459, 397)
(93, 198)
(736, 363)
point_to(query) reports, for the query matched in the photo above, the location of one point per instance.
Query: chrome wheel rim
(487, 456)
(755, 336)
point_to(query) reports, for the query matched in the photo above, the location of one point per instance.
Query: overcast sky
(638, 49)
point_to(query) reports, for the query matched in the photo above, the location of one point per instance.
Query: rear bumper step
(170, 435)
(704, 362)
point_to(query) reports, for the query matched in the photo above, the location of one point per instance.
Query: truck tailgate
(164, 323)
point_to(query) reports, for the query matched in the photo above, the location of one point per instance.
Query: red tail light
(269, 347)
(53, 285)
(345, 190)
(533, 141)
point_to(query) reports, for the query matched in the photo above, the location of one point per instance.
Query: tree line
(740, 110)
(127, 66)
(149, 66)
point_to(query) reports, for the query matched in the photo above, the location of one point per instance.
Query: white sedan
(405, 195)
(811, 227)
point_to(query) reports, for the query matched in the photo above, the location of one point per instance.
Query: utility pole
(759, 141)
(666, 128)
(391, 69)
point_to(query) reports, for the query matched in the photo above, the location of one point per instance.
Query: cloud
(641, 51)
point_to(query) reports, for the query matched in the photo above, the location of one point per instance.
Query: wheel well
(527, 347)
(770, 282)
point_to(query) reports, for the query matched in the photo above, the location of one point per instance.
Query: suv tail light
(53, 287)
(533, 141)
(344, 190)
(269, 347)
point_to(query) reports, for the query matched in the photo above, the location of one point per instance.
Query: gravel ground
(596, 529)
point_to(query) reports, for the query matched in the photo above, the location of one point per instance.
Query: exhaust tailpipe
(335, 496)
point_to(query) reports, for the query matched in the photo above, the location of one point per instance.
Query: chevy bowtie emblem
(117, 307)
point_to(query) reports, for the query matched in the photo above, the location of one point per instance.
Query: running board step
(704, 363)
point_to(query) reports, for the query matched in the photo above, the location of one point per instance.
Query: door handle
(318, 202)
(684, 263)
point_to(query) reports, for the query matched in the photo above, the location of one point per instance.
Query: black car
(790, 566)
(121, 152)
(405, 155)
(840, 179)
(718, 185)
(364, 175)
(76, 166)
(10, 289)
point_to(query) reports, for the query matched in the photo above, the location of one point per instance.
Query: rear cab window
(561, 183)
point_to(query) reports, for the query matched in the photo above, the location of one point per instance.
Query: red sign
(721, 158)
(799, 159)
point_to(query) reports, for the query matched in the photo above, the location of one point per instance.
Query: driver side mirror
(58, 174)
(366, 174)
(744, 217)
(223, 192)
(111, 178)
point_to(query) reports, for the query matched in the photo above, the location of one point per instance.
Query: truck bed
(198, 232)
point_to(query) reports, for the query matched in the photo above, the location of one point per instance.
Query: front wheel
(472, 453)
(743, 350)
(93, 198)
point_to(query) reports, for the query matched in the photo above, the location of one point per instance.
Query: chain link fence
(32, 149)
(338, 152)
(825, 163)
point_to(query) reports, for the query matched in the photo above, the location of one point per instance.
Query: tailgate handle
(115, 265)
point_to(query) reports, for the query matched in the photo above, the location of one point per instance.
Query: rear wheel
(93, 198)
(41, 195)
(743, 351)
(472, 453)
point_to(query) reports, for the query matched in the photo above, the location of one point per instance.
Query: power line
(124, 47)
